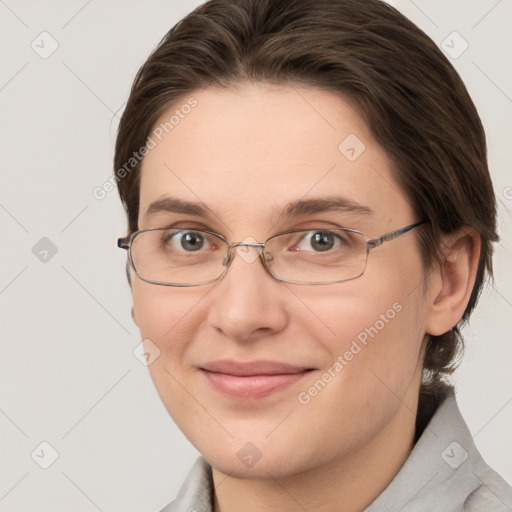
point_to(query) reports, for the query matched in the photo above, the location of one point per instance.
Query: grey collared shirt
(444, 473)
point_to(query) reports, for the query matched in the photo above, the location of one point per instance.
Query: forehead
(249, 151)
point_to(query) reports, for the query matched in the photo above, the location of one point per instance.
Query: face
(339, 359)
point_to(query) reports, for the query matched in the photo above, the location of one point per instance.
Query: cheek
(376, 330)
(371, 315)
(164, 314)
(168, 317)
(371, 362)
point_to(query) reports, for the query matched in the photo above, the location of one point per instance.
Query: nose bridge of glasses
(234, 246)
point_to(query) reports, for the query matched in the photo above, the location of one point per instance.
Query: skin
(245, 153)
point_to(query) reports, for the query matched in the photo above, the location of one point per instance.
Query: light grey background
(68, 375)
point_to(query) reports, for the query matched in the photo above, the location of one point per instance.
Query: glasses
(193, 257)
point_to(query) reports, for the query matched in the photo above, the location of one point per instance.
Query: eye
(319, 241)
(186, 240)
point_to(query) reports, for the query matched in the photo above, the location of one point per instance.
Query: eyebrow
(295, 209)
(304, 207)
(175, 205)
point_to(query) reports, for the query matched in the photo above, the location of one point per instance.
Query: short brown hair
(402, 85)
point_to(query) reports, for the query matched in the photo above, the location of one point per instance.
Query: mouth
(251, 380)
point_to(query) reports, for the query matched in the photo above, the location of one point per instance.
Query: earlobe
(134, 316)
(452, 282)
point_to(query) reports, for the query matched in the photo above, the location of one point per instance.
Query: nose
(247, 303)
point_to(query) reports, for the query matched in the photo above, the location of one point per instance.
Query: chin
(266, 467)
(259, 457)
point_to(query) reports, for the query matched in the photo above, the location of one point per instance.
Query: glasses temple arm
(375, 242)
(122, 244)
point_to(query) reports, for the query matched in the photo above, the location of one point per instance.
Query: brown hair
(406, 90)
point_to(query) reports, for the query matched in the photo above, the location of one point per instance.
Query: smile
(251, 381)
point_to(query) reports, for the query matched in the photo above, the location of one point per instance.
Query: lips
(251, 380)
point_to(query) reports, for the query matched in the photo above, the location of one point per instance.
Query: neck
(347, 485)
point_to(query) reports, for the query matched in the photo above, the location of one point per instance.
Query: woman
(310, 222)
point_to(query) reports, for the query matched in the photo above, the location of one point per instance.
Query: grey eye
(319, 241)
(187, 240)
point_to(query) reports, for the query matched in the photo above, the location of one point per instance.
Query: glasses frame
(126, 243)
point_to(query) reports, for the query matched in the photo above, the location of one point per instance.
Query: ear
(452, 281)
(134, 317)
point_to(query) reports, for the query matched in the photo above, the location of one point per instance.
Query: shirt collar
(440, 469)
